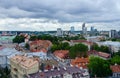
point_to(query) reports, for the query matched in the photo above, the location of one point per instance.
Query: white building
(59, 32)
(114, 46)
(95, 38)
(7, 53)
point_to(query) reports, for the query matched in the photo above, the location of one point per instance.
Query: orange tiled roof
(80, 62)
(24, 61)
(115, 68)
(101, 54)
(40, 44)
(46, 43)
(61, 53)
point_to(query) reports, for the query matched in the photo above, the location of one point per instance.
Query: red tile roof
(105, 55)
(115, 68)
(61, 53)
(80, 62)
(101, 54)
(38, 45)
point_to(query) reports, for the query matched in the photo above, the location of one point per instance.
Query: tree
(95, 47)
(4, 72)
(54, 47)
(115, 59)
(60, 46)
(116, 53)
(78, 50)
(101, 48)
(99, 67)
(32, 38)
(104, 49)
(27, 46)
(53, 39)
(18, 39)
(113, 39)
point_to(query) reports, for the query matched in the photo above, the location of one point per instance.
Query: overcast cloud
(38, 14)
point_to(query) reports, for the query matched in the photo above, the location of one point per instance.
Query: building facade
(22, 66)
(59, 32)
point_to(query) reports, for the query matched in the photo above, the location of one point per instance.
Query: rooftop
(25, 62)
(61, 53)
(110, 43)
(115, 68)
(55, 72)
(38, 45)
(101, 54)
(80, 62)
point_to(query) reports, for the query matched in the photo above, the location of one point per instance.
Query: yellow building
(21, 66)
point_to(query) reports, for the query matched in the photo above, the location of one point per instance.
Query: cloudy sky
(43, 15)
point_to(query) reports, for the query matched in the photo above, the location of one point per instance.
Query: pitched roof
(61, 53)
(24, 61)
(115, 68)
(40, 44)
(80, 62)
(98, 53)
(105, 55)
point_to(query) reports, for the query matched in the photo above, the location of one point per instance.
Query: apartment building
(22, 65)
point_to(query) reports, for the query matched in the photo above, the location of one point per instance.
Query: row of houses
(28, 67)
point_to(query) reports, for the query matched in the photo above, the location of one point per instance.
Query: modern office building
(72, 29)
(84, 29)
(112, 33)
(59, 32)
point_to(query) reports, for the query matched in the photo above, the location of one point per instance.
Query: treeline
(77, 50)
(53, 39)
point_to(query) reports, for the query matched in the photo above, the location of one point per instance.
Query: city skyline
(48, 15)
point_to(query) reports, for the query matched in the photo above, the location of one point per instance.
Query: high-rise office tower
(59, 32)
(72, 29)
(112, 33)
(84, 29)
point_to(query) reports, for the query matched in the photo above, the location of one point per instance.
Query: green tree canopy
(100, 48)
(78, 50)
(95, 47)
(115, 59)
(104, 49)
(113, 39)
(33, 38)
(18, 39)
(99, 67)
(61, 46)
